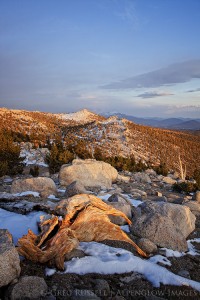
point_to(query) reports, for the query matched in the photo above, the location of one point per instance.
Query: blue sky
(140, 57)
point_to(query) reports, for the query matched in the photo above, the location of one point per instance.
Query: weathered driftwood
(86, 220)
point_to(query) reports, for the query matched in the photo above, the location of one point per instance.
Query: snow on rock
(53, 197)
(34, 156)
(27, 193)
(43, 185)
(103, 259)
(104, 197)
(191, 250)
(17, 224)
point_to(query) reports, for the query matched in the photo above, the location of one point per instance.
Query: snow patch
(191, 250)
(160, 259)
(28, 193)
(17, 224)
(53, 197)
(104, 197)
(125, 228)
(103, 259)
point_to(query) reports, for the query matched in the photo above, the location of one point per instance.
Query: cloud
(183, 110)
(173, 74)
(126, 11)
(193, 91)
(153, 94)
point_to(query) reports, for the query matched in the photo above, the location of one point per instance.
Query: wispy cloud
(126, 11)
(173, 74)
(183, 109)
(193, 91)
(153, 94)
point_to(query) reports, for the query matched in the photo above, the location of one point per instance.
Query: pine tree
(10, 160)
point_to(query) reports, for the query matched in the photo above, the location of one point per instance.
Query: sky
(138, 57)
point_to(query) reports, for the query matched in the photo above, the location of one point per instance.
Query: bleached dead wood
(86, 220)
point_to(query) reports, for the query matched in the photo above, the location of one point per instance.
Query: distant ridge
(169, 123)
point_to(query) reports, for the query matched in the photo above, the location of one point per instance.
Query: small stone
(158, 194)
(134, 276)
(102, 287)
(184, 273)
(147, 246)
(117, 198)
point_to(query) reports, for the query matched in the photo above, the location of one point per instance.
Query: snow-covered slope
(82, 116)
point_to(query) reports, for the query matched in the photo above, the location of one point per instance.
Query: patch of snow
(41, 164)
(49, 272)
(191, 250)
(61, 191)
(83, 115)
(28, 193)
(7, 180)
(104, 197)
(53, 197)
(17, 224)
(135, 202)
(33, 162)
(172, 253)
(125, 228)
(103, 259)
(132, 201)
(160, 259)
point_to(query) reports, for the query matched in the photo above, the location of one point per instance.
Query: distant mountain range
(170, 123)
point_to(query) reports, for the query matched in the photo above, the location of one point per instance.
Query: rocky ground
(153, 192)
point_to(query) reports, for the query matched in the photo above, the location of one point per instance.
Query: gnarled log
(86, 220)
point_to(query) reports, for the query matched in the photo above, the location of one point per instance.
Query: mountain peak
(83, 116)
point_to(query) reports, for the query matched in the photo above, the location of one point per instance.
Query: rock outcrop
(43, 185)
(9, 259)
(167, 225)
(89, 173)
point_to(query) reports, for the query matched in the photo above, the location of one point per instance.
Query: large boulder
(9, 259)
(167, 225)
(28, 287)
(89, 173)
(43, 185)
